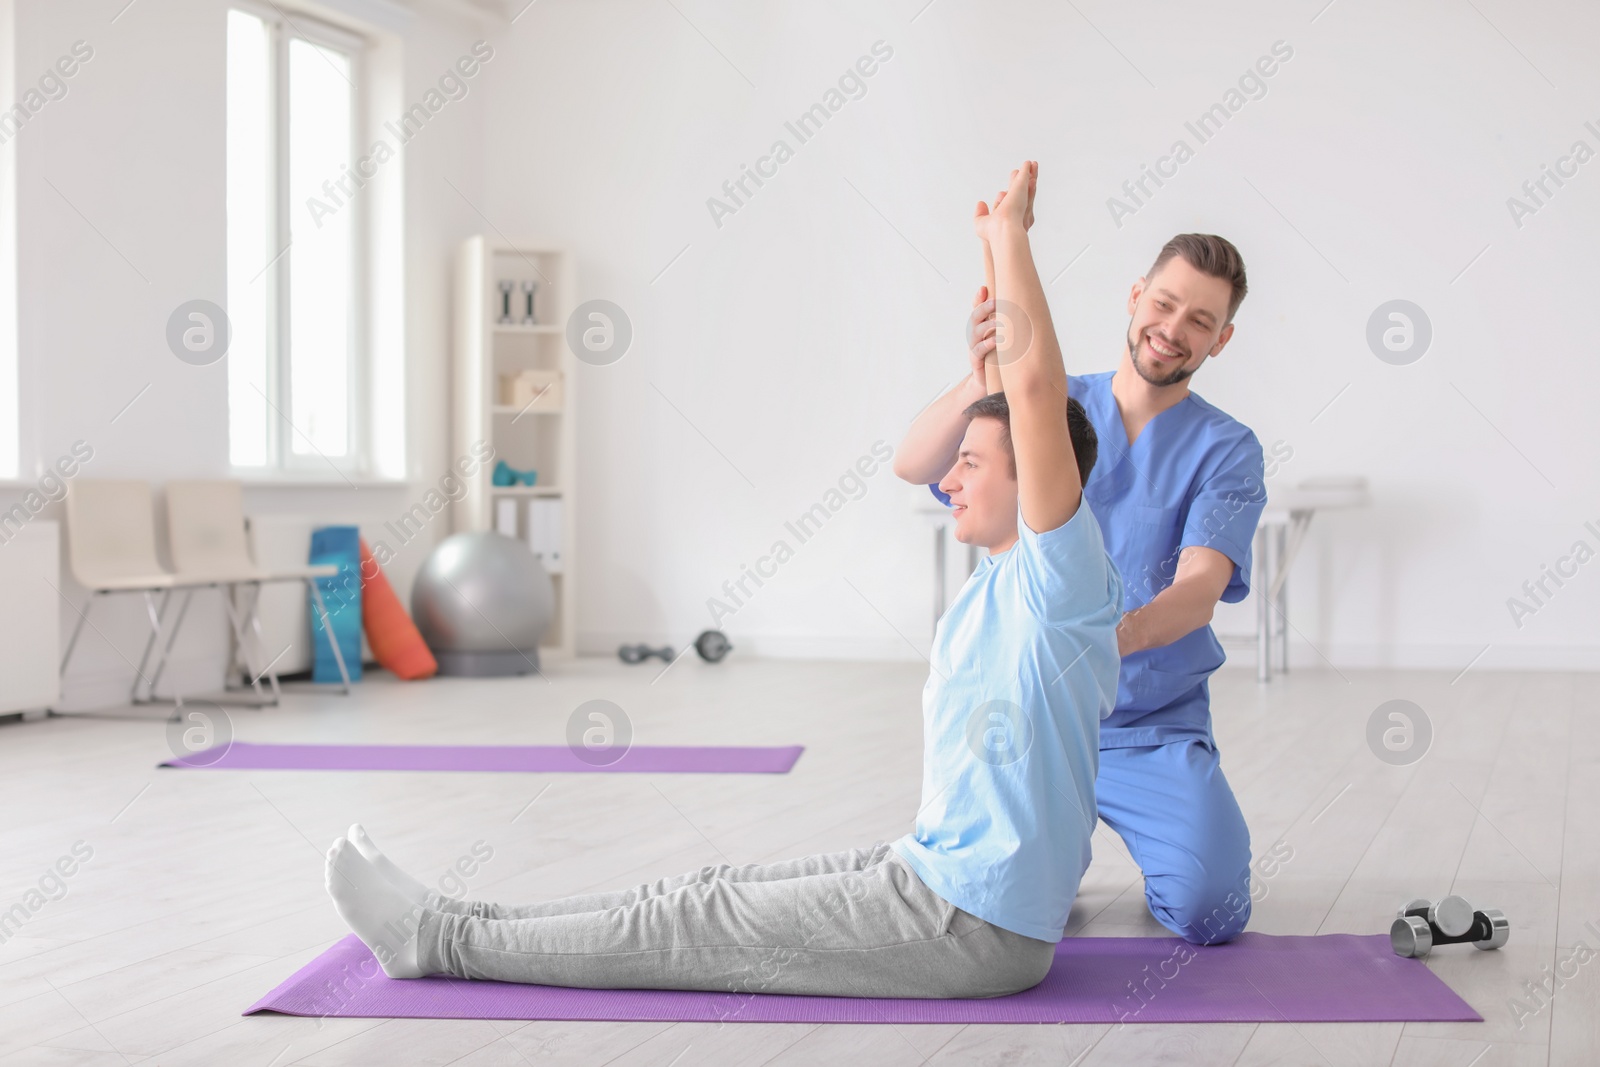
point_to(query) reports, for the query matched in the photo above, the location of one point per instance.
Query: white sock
(414, 890)
(377, 912)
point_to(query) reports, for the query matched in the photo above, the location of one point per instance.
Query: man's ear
(1222, 339)
(1136, 292)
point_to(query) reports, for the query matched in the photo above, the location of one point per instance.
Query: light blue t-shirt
(1024, 667)
(1195, 475)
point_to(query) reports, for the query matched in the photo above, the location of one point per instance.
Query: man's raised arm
(1031, 372)
(929, 448)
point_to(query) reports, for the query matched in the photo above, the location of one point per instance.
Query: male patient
(974, 900)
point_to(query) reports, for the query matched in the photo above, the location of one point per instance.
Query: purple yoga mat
(639, 759)
(1254, 978)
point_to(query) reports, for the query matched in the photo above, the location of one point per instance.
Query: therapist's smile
(1161, 349)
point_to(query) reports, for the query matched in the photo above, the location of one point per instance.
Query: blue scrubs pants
(1180, 821)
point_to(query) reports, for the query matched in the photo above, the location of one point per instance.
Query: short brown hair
(1085, 443)
(1208, 254)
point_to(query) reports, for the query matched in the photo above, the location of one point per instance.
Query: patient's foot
(414, 890)
(377, 912)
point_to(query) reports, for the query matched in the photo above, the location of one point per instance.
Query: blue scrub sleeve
(1224, 513)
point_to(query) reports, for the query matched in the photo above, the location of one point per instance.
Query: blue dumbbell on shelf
(505, 474)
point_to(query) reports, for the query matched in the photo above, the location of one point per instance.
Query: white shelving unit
(540, 436)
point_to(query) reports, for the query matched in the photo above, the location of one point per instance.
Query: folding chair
(111, 544)
(206, 535)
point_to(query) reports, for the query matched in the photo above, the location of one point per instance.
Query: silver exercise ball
(483, 602)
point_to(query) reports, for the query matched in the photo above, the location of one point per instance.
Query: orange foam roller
(396, 643)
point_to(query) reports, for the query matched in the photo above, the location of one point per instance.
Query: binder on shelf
(505, 516)
(544, 531)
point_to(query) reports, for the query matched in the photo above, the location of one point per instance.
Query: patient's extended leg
(418, 893)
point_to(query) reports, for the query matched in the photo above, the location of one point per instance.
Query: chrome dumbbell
(1422, 924)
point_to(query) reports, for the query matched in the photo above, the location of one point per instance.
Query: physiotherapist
(1178, 489)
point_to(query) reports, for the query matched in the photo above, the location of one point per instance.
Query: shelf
(485, 353)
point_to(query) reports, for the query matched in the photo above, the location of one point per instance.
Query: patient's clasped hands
(1013, 205)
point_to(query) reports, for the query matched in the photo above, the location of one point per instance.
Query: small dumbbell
(712, 645)
(1451, 916)
(1418, 928)
(640, 653)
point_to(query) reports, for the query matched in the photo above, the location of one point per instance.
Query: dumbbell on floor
(712, 645)
(1422, 924)
(640, 653)
(1451, 916)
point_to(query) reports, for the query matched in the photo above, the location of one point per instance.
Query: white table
(1282, 530)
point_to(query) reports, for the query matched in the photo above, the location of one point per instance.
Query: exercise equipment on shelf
(507, 475)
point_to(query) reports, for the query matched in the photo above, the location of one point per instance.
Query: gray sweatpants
(859, 923)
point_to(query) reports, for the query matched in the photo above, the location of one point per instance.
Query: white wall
(828, 310)
(121, 202)
(821, 316)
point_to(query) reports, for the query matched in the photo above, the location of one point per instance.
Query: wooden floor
(204, 889)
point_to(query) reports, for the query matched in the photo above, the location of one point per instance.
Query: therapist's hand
(980, 337)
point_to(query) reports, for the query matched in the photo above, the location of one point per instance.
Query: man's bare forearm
(929, 447)
(1179, 609)
(1033, 358)
(1048, 490)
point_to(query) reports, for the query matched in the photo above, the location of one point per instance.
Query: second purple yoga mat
(640, 759)
(1254, 978)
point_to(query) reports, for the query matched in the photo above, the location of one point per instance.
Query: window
(296, 360)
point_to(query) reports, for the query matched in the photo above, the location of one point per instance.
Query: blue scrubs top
(1194, 476)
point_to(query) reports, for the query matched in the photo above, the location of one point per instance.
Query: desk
(1282, 530)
